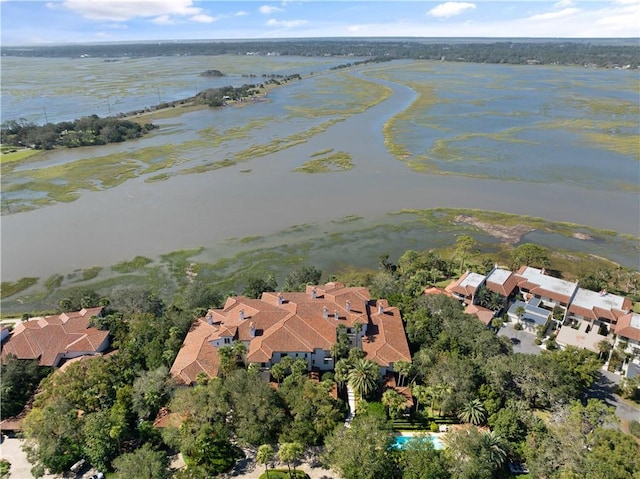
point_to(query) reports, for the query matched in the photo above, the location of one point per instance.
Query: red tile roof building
(299, 325)
(52, 339)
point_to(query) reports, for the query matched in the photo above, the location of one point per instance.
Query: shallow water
(263, 196)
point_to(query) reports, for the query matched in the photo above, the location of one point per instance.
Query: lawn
(284, 474)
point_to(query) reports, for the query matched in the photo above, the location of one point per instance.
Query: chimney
(280, 298)
(252, 330)
(325, 312)
(314, 293)
(348, 305)
(241, 314)
(380, 308)
(335, 315)
(209, 318)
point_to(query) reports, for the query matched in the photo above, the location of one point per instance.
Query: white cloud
(450, 9)
(554, 15)
(241, 13)
(269, 9)
(163, 20)
(202, 18)
(563, 4)
(286, 23)
(122, 10)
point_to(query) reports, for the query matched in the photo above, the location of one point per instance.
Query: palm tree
(278, 372)
(394, 401)
(421, 393)
(341, 370)
(604, 347)
(357, 328)
(473, 412)
(520, 313)
(265, 456)
(493, 443)
(289, 453)
(403, 368)
(363, 377)
(239, 350)
(226, 355)
(439, 393)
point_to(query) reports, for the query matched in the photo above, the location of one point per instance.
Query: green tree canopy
(362, 451)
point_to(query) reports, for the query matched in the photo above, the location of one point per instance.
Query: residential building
(502, 281)
(627, 331)
(53, 339)
(298, 325)
(600, 309)
(464, 288)
(540, 289)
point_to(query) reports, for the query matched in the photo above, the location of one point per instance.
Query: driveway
(522, 340)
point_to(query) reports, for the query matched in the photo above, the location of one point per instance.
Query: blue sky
(27, 22)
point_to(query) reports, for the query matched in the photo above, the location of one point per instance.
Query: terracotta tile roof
(628, 326)
(293, 322)
(196, 354)
(52, 338)
(502, 282)
(483, 314)
(435, 290)
(466, 285)
(388, 344)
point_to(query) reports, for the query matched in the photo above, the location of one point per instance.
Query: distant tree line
(596, 52)
(85, 131)
(361, 62)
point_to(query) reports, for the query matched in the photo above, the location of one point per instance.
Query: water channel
(263, 196)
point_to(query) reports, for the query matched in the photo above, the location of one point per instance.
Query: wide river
(187, 211)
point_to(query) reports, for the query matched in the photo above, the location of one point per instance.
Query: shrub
(634, 428)
(434, 427)
(517, 327)
(537, 341)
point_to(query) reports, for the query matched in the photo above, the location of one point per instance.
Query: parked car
(97, 476)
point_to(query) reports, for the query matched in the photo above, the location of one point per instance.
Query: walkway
(351, 396)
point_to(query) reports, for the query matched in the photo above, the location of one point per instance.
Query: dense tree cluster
(509, 407)
(598, 52)
(85, 131)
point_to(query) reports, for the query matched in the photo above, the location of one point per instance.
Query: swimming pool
(401, 440)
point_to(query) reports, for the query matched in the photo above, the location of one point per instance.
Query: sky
(25, 22)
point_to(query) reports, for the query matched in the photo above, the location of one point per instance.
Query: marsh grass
(91, 273)
(136, 264)
(321, 245)
(178, 262)
(339, 161)
(321, 152)
(155, 178)
(53, 282)
(341, 94)
(9, 288)
(14, 155)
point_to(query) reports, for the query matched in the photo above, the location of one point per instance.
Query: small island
(85, 131)
(212, 74)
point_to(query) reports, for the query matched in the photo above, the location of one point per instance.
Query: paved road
(604, 389)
